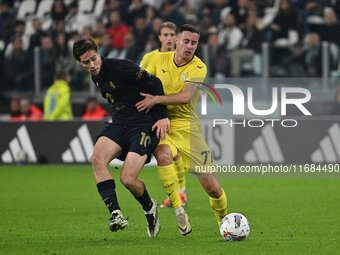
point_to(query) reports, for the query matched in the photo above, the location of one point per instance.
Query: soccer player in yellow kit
(167, 37)
(178, 71)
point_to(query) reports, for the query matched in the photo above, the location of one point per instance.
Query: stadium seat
(26, 8)
(44, 8)
(29, 30)
(85, 6)
(98, 10)
(46, 24)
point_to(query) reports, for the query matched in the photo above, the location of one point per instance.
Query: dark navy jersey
(120, 82)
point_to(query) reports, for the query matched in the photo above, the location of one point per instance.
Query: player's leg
(104, 151)
(133, 164)
(200, 155)
(167, 176)
(180, 179)
(179, 168)
(217, 196)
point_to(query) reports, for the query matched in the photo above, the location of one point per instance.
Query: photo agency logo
(296, 96)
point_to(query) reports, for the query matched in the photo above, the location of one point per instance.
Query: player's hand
(163, 127)
(147, 103)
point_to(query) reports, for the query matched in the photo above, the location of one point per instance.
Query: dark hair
(188, 27)
(83, 45)
(61, 75)
(168, 24)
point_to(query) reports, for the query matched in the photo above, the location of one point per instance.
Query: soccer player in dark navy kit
(132, 135)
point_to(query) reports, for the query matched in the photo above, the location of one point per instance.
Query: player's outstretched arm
(163, 127)
(182, 97)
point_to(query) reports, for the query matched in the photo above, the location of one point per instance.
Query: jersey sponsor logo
(20, 148)
(329, 147)
(112, 85)
(140, 74)
(164, 71)
(265, 148)
(80, 147)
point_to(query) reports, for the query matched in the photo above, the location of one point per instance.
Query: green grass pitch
(57, 210)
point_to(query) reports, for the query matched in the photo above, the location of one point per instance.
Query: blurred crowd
(231, 30)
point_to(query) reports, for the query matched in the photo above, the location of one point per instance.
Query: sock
(179, 210)
(219, 205)
(145, 200)
(107, 190)
(179, 168)
(169, 181)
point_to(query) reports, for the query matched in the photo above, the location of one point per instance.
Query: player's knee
(163, 156)
(177, 156)
(127, 181)
(96, 160)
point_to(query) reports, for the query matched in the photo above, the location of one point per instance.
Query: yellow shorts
(190, 143)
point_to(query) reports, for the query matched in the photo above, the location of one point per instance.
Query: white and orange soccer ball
(234, 227)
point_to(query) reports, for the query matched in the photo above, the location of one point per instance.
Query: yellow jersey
(148, 57)
(173, 78)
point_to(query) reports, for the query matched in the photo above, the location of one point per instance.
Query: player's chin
(94, 72)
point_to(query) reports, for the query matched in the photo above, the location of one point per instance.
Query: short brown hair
(83, 45)
(169, 24)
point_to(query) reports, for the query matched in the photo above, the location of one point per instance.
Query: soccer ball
(234, 227)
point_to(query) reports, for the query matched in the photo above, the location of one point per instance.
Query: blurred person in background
(285, 20)
(140, 33)
(7, 18)
(64, 60)
(230, 35)
(171, 13)
(36, 37)
(150, 15)
(167, 37)
(130, 51)
(240, 12)
(87, 32)
(249, 46)
(114, 5)
(59, 11)
(219, 64)
(17, 68)
(57, 102)
(19, 29)
(30, 111)
(15, 112)
(106, 50)
(99, 31)
(75, 20)
(331, 29)
(48, 61)
(312, 55)
(118, 30)
(136, 9)
(155, 26)
(94, 111)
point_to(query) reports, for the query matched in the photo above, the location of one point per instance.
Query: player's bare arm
(182, 97)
